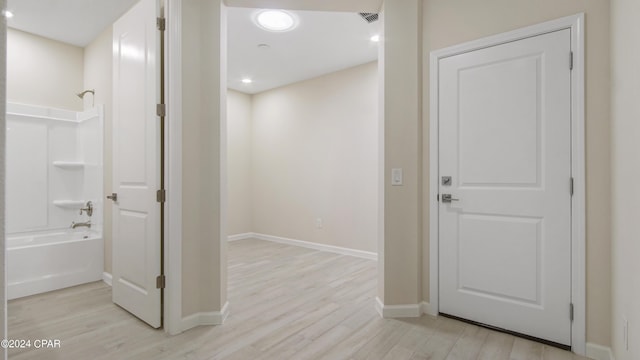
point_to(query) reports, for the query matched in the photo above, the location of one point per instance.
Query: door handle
(447, 198)
(113, 197)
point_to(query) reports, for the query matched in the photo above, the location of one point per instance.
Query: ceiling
(323, 42)
(371, 6)
(75, 22)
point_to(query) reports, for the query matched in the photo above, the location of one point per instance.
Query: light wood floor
(286, 303)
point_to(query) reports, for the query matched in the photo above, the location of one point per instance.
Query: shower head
(82, 94)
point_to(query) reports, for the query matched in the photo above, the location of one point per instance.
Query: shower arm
(92, 92)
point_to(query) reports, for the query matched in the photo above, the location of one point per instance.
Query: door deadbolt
(446, 180)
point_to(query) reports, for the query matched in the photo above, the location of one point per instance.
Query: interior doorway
(302, 132)
(75, 213)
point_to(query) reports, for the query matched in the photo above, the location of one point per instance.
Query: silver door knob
(447, 198)
(113, 197)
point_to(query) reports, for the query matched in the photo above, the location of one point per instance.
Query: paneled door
(505, 186)
(136, 163)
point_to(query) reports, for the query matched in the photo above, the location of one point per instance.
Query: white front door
(505, 141)
(136, 163)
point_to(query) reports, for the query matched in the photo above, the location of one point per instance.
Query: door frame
(578, 211)
(172, 309)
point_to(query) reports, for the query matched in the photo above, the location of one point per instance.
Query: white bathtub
(41, 262)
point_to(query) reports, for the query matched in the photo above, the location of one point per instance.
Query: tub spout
(86, 224)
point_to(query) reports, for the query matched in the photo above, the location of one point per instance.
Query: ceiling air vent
(369, 17)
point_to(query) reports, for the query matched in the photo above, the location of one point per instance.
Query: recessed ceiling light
(276, 20)
(375, 38)
(247, 81)
(8, 14)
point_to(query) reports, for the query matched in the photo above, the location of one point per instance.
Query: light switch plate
(396, 177)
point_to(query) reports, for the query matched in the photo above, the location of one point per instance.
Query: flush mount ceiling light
(275, 20)
(375, 38)
(8, 14)
(247, 81)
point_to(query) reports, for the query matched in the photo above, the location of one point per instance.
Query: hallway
(286, 303)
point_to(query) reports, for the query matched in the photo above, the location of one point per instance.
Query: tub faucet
(86, 224)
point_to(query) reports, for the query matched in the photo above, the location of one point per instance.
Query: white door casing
(505, 139)
(136, 168)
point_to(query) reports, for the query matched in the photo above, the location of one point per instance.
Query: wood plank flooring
(286, 303)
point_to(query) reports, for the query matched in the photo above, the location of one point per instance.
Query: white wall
(204, 277)
(399, 254)
(98, 63)
(239, 163)
(314, 156)
(43, 72)
(625, 56)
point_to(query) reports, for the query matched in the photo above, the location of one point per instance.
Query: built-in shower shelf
(69, 164)
(69, 204)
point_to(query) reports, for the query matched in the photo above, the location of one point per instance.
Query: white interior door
(505, 141)
(136, 167)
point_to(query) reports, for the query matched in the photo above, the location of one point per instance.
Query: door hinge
(571, 60)
(438, 197)
(571, 311)
(160, 282)
(161, 23)
(161, 110)
(571, 186)
(161, 195)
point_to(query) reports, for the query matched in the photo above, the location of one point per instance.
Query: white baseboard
(306, 244)
(599, 352)
(403, 311)
(240, 236)
(425, 308)
(206, 318)
(397, 311)
(107, 278)
(379, 306)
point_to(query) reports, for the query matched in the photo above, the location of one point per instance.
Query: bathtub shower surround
(54, 167)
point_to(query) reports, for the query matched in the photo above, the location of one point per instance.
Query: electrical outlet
(625, 333)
